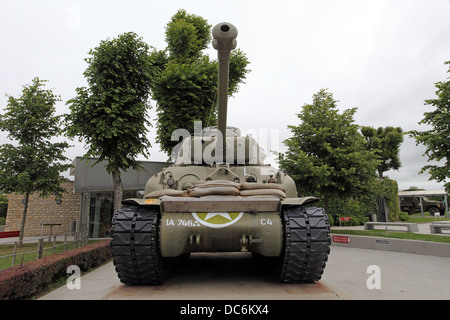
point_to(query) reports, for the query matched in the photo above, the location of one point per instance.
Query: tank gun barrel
(224, 40)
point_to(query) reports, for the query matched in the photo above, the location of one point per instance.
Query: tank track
(135, 246)
(306, 247)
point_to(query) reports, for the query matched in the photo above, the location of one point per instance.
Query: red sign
(9, 234)
(345, 218)
(341, 239)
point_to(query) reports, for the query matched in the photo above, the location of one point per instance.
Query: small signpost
(341, 239)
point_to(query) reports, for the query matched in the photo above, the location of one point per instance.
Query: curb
(389, 244)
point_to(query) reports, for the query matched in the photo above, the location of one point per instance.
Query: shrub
(357, 209)
(21, 282)
(404, 216)
(330, 219)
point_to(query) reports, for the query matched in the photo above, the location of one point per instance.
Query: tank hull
(295, 242)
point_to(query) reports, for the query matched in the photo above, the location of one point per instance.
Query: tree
(111, 114)
(437, 139)
(184, 81)
(3, 205)
(327, 155)
(385, 142)
(414, 188)
(34, 163)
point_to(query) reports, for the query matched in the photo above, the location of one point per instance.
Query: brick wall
(43, 210)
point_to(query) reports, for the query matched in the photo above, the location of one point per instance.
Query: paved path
(402, 275)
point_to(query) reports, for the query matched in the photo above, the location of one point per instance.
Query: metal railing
(67, 241)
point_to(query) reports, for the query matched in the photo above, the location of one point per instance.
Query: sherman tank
(219, 196)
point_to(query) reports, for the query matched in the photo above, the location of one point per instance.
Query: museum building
(87, 201)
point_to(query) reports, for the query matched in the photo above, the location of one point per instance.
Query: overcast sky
(382, 57)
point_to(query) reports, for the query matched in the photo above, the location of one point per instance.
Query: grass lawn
(414, 218)
(425, 219)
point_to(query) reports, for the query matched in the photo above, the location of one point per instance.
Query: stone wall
(44, 210)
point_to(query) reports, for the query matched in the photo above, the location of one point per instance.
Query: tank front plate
(182, 233)
(218, 203)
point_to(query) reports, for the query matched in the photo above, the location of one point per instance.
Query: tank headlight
(170, 182)
(271, 179)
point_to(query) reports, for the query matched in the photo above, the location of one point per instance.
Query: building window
(98, 210)
(100, 214)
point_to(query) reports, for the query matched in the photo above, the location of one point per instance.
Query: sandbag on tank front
(253, 185)
(200, 192)
(263, 192)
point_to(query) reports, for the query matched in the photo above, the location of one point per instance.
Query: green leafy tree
(110, 115)
(385, 142)
(184, 81)
(33, 163)
(3, 205)
(437, 139)
(327, 155)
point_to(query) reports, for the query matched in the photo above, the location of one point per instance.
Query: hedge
(358, 209)
(21, 282)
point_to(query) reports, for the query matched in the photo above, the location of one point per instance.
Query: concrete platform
(205, 276)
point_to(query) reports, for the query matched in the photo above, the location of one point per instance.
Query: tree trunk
(24, 218)
(380, 173)
(118, 189)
